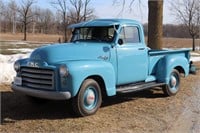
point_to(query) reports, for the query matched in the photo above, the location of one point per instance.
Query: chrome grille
(37, 78)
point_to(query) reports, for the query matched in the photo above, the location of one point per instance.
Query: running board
(137, 87)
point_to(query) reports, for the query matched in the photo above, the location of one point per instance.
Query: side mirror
(120, 41)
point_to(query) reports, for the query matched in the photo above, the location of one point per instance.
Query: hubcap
(90, 98)
(173, 81)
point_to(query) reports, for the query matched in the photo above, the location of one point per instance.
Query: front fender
(168, 63)
(80, 70)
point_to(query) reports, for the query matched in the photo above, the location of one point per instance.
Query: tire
(173, 86)
(88, 99)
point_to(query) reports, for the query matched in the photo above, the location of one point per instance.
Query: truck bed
(153, 52)
(156, 55)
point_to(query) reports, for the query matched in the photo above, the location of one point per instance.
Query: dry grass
(178, 42)
(146, 111)
(168, 42)
(30, 37)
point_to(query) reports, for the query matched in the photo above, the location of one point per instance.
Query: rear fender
(168, 63)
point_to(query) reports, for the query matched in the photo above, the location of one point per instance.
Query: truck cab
(103, 57)
(125, 43)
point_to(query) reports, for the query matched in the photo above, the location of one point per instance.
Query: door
(132, 56)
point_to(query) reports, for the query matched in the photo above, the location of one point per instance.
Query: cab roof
(104, 22)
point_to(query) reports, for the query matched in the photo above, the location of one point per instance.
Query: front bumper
(52, 95)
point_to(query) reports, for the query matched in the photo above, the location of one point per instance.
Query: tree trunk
(155, 26)
(64, 26)
(14, 25)
(193, 43)
(25, 26)
(33, 30)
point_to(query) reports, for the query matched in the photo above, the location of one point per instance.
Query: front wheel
(172, 87)
(89, 98)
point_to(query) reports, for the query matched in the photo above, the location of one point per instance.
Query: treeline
(172, 30)
(27, 17)
(46, 21)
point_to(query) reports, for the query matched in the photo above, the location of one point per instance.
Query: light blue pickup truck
(104, 57)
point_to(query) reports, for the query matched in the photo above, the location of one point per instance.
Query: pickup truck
(105, 57)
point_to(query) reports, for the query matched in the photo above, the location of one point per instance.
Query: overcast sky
(106, 9)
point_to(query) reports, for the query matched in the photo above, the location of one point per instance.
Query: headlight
(63, 71)
(16, 66)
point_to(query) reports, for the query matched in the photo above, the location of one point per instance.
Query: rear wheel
(89, 98)
(173, 86)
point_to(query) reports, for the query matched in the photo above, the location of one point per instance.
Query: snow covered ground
(6, 66)
(23, 50)
(7, 72)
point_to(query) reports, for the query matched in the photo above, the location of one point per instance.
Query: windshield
(97, 34)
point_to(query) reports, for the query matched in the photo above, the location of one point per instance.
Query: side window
(130, 34)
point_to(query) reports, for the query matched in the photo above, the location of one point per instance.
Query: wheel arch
(101, 83)
(180, 69)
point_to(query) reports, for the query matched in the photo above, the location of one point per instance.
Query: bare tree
(12, 9)
(88, 13)
(58, 22)
(8, 16)
(155, 24)
(188, 13)
(1, 12)
(80, 11)
(61, 6)
(1, 7)
(44, 19)
(36, 11)
(26, 14)
(48, 18)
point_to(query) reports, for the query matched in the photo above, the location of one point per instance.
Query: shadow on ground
(19, 107)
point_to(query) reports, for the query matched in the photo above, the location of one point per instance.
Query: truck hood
(71, 51)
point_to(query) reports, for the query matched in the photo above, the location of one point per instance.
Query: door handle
(141, 48)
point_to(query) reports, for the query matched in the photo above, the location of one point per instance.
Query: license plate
(17, 80)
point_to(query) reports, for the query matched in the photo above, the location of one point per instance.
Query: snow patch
(195, 59)
(194, 54)
(7, 71)
(24, 50)
(18, 43)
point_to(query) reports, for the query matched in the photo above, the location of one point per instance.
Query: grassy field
(39, 38)
(46, 38)
(16, 47)
(145, 111)
(13, 43)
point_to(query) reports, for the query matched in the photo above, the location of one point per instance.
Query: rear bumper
(192, 68)
(42, 94)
